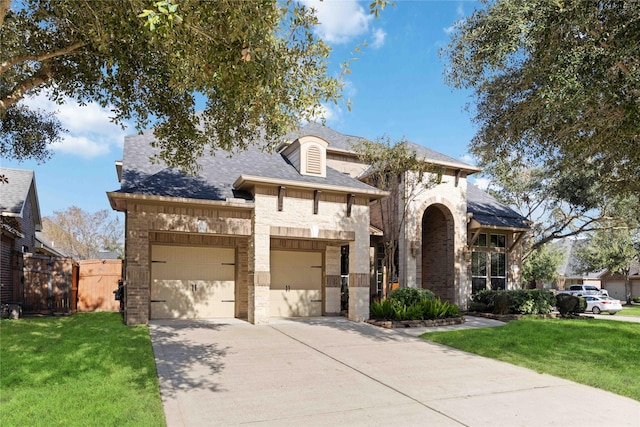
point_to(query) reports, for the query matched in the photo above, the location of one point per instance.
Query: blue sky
(396, 87)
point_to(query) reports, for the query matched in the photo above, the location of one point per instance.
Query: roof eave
(245, 182)
(118, 201)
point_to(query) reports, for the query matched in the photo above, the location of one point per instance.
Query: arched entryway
(438, 265)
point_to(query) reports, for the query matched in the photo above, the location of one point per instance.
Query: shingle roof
(438, 158)
(15, 191)
(219, 171)
(490, 212)
(568, 267)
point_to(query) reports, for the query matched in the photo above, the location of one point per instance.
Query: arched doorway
(438, 266)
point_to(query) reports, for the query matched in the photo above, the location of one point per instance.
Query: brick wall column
(259, 275)
(137, 274)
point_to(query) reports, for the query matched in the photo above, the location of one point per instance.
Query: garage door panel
(296, 284)
(192, 282)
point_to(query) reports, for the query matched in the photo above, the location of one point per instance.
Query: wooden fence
(98, 281)
(47, 283)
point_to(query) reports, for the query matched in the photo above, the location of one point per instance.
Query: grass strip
(87, 369)
(599, 353)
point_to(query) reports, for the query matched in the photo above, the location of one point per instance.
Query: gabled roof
(441, 159)
(489, 212)
(44, 246)
(219, 172)
(17, 186)
(567, 269)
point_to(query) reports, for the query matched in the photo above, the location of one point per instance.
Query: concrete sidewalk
(332, 372)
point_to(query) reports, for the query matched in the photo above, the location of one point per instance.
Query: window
(498, 271)
(498, 241)
(489, 266)
(478, 271)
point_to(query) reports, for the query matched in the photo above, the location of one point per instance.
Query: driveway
(332, 372)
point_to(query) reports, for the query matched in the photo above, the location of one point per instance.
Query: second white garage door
(296, 284)
(192, 282)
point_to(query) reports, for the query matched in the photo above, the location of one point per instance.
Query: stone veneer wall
(450, 197)
(147, 224)
(331, 224)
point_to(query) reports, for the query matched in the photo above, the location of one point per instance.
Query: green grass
(83, 370)
(633, 310)
(599, 353)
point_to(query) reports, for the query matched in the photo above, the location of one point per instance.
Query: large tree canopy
(556, 84)
(258, 64)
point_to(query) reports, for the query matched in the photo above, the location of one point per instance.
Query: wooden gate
(98, 280)
(48, 283)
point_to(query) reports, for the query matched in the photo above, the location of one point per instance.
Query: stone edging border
(390, 324)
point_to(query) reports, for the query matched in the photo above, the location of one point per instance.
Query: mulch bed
(389, 324)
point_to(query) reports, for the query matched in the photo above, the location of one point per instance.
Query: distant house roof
(489, 212)
(568, 268)
(16, 186)
(46, 247)
(219, 172)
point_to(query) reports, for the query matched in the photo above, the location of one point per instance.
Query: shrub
(382, 310)
(410, 296)
(519, 301)
(438, 309)
(636, 300)
(569, 304)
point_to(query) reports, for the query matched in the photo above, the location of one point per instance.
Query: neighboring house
(568, 274)
(45, 247)
(262, 234)
(614, 283)
(19, 221)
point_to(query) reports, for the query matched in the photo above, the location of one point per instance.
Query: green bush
(636, 300)
(410, 296)
(570, 304)
(518, 301)
(426, 308)
(382, 310)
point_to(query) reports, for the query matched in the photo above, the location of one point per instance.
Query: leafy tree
(83, 235)
(560, 204)
(397, 168)
(612, 250)
(542, 264)
(258, 64)
(556, 85)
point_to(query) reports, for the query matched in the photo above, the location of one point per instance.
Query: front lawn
(87, 369)
(599, 353)
(630, 310)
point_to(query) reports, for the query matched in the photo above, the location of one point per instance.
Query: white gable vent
(314, 160)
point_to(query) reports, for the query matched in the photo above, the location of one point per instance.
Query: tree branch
(43, 75)
(4, 8)
(13, 61)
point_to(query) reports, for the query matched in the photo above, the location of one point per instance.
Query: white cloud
(340, 20)
(378, 38)
(482, 183)
(449, 30)
(329, 112)
(460, 10)
(90, 131)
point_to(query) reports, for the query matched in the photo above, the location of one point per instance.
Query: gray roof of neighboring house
(15, 191)
(47, 246)
(439, 158)
(567, 268)
(219, 171)
(490, 212)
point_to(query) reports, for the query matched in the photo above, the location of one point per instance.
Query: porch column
(333, 280)
(259, 275)
(359, 290)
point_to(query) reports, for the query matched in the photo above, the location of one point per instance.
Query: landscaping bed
(510, 317)
(390, 324)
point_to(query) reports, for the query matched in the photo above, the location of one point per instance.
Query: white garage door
(192, 282)
(296, 284)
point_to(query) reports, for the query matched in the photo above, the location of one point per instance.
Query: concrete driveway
(332, 372)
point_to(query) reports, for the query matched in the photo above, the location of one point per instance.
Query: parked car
(597, 304)
(582, 290)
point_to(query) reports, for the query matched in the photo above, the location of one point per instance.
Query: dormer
(308, 154)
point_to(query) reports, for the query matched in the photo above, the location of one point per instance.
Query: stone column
(137, 275)
(259, 275)
(333, 280)
(359, 290)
